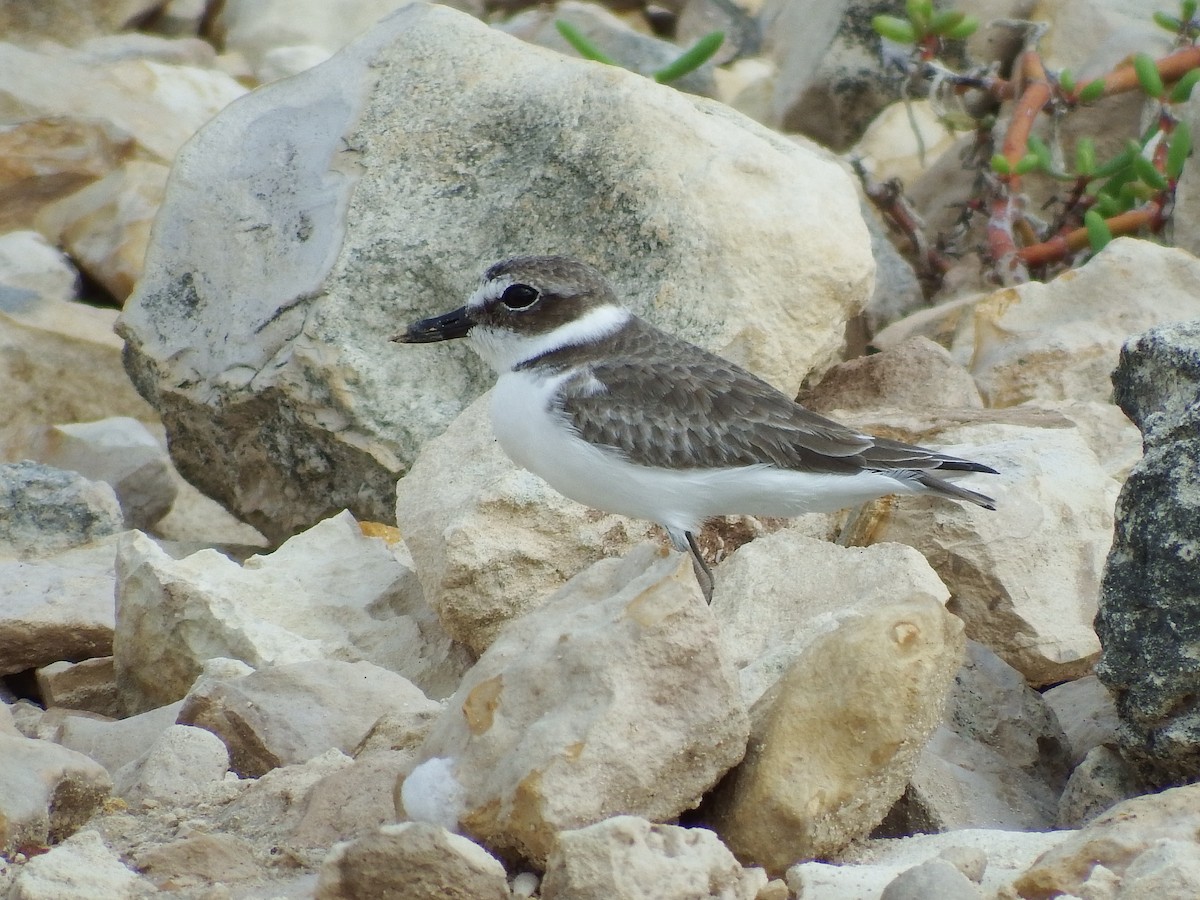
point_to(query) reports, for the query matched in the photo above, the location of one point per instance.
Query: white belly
(679, 500)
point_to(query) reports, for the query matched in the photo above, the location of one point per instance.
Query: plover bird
(623, 417)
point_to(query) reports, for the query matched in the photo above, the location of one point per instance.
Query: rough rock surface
(1149, 617)
(332, 592)
(415, 861)
(44, 510)
(490, 540)
(625, 857)
(613, 697)
(58, 607)
(809, 785)
(260, 328)
(287, 714)
(1025, 576)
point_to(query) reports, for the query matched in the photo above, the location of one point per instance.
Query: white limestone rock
(46, 792)
(90, 686)
(119, 451)
(834, 741)
(334, 229)
(115, 744)
(1060, 340)
(415, 861)
(286, 714)
(330, 593)
(1025, 578)
(59, 606)
(625, 857)
(784, 591)
(490, 540)
(1087, 713)
(613, 697)
(44, 510)
(179, 768)
(81, 866)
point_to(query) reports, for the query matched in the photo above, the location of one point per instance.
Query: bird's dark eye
(519, 296)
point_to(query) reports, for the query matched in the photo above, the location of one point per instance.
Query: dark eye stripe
(519, 296)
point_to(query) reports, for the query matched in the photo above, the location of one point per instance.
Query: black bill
(446, 327)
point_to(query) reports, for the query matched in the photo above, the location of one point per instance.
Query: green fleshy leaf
(693, 58)
(919, 12)
(582, 45)
(1026, 164)
(1092, 91)
(1066, 81)
(945, 20)
(1097, 230)
(1147, 172)
(1000, 165)
(1148, 77)
(1188, 9)
(899, 30)
(1169, 22)
(1039, 149)
(1183, 87)
(1085, 157)
(1122, 160)
(964, 29)
(1178, 151)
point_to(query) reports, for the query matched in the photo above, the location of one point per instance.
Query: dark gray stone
(1149, 615)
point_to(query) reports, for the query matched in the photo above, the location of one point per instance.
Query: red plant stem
(1063, 245)
(1171, 68)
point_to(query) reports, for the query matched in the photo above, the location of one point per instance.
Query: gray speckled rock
(44, 510)
(1149, 616)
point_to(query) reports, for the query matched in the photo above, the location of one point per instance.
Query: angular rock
(916, 374)
(999, 760)
(490, 540)
(159, 106)
(115, 744)
(81, 866)
(1100, 857)
(1101, 781)
(179, 768)
(46, 792)
(59, 362)
(625, 857)
(90, 686)
(199, 860)
(1024, 577)
(353, 801)
(106, 225)
(412, 860)
(44, 510)
(1086, 711)
(1148, 621)
(286, 714)
(834, 741)
(119, 451)
(57, 607)
(296, 382)
(935, 878)
(332, 593)
(784, 591)
(1058, 340)
(613, 697)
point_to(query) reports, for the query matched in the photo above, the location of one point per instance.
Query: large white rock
(302, 228)
(179, 767)
(490, 540)
(331, 592)
(81, 866)
(614, 697)
(1025, 578)
(1060, 340)
(784, 591)
(834, 741)
(285, 714)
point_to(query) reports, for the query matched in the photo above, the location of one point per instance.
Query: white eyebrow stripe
(504, 350)
(488, 291)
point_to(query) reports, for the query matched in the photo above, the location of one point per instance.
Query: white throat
(504, 350)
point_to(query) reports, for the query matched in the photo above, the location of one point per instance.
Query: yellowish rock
(834, 742)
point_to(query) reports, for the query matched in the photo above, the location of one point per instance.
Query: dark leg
(703, 573)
